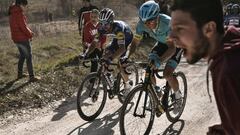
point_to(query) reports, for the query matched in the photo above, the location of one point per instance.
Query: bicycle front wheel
(138, 112)
(91, 97)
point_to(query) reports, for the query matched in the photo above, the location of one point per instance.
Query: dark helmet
(106, 15)
(229, 8)
(235, 9)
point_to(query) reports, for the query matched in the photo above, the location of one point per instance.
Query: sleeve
(23, 25)
(231, 96)
(167, 21)
(103, 40)
(139, 31)
(87, 35)
(80, 19)
(120, 36)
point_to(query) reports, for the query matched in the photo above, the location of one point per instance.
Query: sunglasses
(150, 21)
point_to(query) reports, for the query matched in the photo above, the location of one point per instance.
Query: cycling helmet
(235, 9)
(106, 15)
(148, 10)
(229, 8)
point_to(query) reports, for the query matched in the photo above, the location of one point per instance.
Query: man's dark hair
(21, 2)
(202, 11)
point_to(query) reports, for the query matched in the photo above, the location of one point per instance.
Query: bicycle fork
(149, 90)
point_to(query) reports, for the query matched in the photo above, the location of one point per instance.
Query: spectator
(84, 16)
(197, 27)
(164, 7)
(90, 31)
(21, 35)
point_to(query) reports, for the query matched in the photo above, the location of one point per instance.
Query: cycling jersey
(233, 20)
(121, 33)
(160, 33)
(90, 31)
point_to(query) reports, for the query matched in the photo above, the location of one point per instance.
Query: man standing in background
(22, 35)
(84, 16)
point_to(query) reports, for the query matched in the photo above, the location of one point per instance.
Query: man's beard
(200, 49)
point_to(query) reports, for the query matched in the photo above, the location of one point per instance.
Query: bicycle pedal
(94, 98)
(158, 114)
(111, 96)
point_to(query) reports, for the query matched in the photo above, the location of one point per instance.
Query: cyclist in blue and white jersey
(122, 38)
(232, 17)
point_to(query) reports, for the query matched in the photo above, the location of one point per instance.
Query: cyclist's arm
(136, 39)
(90, 40)
(170, 51)
(132, 48)
(121, 43)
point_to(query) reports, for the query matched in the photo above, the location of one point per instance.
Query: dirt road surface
(63, 119)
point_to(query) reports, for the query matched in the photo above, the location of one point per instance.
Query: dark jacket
(225, 70)
(18, 25)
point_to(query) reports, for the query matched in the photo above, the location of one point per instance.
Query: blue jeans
(25, 53)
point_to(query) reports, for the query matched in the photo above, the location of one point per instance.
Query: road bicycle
(143, 103)
(95, 87)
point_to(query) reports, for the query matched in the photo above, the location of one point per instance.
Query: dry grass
(47, 52)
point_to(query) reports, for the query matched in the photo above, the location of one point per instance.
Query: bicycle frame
(106, 81)
(147, 85)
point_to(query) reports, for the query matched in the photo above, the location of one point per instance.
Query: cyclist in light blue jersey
(157, 26)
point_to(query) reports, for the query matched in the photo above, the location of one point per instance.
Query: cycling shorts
(161, 48)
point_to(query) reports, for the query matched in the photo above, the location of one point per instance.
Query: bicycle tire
(124, 111)
(168, 111)
(80, 98)
(119, 80)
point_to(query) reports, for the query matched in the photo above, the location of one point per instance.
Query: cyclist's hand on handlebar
(107, 61)
(83, 56)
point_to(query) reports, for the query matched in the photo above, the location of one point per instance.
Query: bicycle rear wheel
(135, 116)
(171, 99)
(134, 77)
(91, 97)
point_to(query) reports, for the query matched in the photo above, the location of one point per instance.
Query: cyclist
(157, 26)
(234, 17)
(122, 37)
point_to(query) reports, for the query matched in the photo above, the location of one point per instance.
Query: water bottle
(158, 91)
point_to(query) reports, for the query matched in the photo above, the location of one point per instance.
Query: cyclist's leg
(94, 64)
(127, 41)
(110, 50)
(170, 68)
(123, 65)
